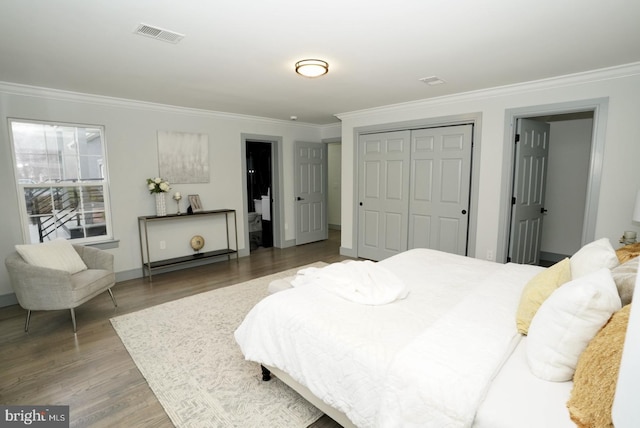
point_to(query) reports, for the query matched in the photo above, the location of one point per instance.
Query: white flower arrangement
(158, 185)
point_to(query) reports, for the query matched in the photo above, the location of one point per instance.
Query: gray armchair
(44, 289)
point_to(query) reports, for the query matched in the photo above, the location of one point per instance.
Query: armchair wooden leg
(112, 298)
(26, 323)
(73, 319)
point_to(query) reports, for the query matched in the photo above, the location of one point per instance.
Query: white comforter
(422, 361)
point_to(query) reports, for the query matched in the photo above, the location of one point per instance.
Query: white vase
(161, 205)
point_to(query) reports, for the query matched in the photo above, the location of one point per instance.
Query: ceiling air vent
(432, 80)
(158, 33)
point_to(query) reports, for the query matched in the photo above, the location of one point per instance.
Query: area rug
(186, 351)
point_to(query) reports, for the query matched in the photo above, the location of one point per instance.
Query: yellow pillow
(596, 376)
(538, 289)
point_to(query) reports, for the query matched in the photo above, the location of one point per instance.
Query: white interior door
(532, 152)
(383, 184)
(440, 186)
(311, 192)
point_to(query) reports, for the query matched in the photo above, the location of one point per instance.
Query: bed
(439, 346)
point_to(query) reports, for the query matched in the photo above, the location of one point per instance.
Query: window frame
(26, 217)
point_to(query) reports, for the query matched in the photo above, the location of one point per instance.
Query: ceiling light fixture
(312, 67)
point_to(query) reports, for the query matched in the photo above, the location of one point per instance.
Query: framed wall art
(196, 204)
(183, 157)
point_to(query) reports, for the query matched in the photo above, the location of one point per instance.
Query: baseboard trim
(289, 243)
(125, 275)
(8, 300)
(137, 273)
(349, 252)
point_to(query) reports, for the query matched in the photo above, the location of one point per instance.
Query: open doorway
(576, 142)
(334, 186)
(259, 178)
(571, 139)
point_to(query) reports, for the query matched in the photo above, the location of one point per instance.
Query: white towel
(266, 207)
(363, 282)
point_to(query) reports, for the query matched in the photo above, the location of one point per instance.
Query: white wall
(131, 129)
(131, 139)
(567, 179)
(619, 182)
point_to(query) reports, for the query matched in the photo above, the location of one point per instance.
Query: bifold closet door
(413, 190)
(383, 191)
(439, 188)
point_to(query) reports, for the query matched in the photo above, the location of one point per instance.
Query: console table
(143, 223)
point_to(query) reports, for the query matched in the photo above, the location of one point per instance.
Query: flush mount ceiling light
(312, 67)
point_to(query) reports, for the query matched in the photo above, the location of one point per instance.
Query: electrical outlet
(490, 255)
(163, 245)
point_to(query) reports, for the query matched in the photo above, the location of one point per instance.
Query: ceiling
(238, 56)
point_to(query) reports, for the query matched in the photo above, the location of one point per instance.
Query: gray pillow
(624, 276)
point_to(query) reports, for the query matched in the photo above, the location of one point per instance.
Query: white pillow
(567, 321)
(598, 254)
(57, 254)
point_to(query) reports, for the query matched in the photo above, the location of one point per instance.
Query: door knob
(464, 211)
(542, 210)
(299, 199)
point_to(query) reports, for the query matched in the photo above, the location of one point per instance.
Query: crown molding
(102, 100)
(591, 76)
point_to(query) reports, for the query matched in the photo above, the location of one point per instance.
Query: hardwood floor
(91, 370)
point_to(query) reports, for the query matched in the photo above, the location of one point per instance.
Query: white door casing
(440, 187)
(529, 182)
(383, 187)
(310, 185)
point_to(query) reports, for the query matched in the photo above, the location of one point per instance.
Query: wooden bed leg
(266, 374)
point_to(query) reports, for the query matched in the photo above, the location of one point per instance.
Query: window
(62, 181)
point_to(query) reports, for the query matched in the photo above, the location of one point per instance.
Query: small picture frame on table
(195, 203)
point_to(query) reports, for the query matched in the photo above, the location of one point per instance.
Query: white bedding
(518, 398)
(442, 375)
(351, 356)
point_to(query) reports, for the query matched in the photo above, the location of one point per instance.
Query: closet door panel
(441, 169)
(383, 187)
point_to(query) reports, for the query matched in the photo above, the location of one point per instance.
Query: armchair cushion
(89, 283)
(58, 254)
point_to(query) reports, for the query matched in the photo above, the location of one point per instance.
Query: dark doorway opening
(259, 194)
